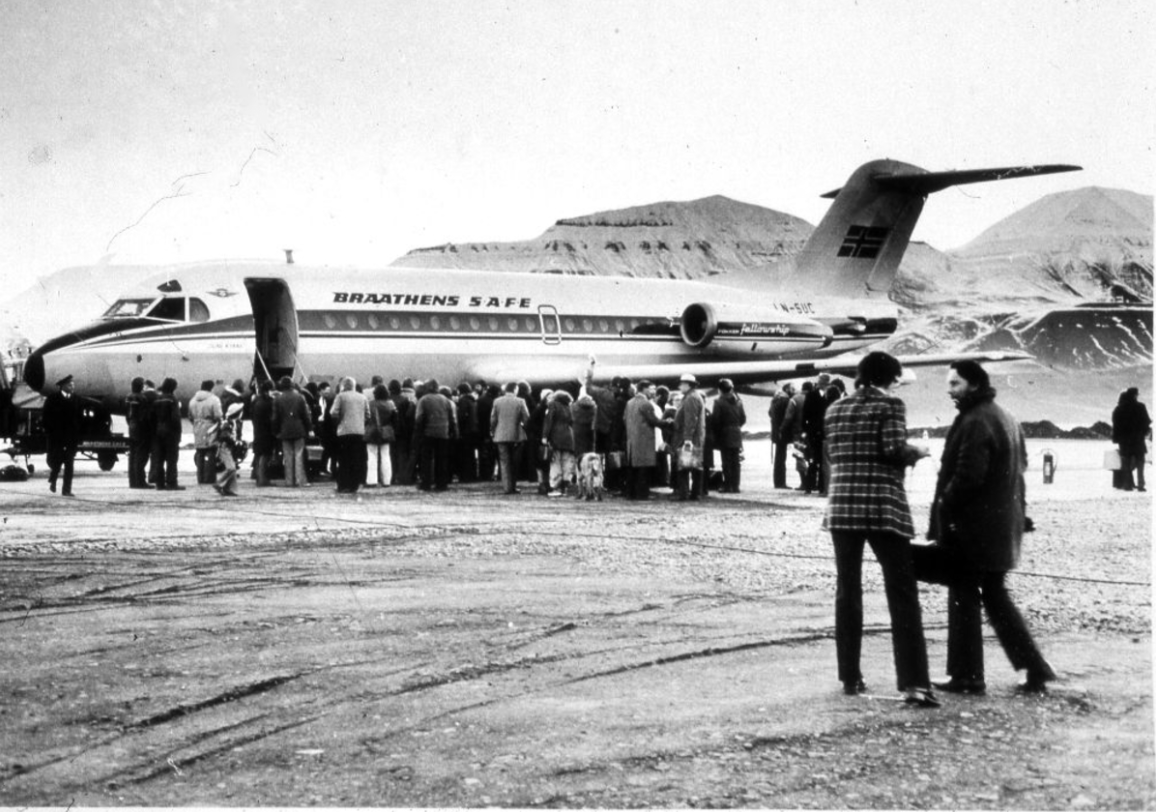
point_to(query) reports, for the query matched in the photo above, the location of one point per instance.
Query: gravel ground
(511, 600)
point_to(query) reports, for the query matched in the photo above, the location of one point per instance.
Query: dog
(590, 477)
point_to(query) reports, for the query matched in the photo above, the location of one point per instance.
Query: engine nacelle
(743, 329)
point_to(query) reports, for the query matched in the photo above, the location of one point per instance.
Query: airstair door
(275, 324)
(551, 324)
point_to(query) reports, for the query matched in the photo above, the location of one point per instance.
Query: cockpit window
(127, 308)
(168, 310)
(198, 310)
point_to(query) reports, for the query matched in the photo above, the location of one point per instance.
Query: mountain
(703, 238)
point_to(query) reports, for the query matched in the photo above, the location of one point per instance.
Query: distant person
(558, 434)
(137, 414)
(380, 435)
(1131, 426)
(729, 417)
(469, 434)
(777, 411)
(641, 421)
(435, 425)
(167, 437)
(689, 439)
(507, 428)
(977, 517)
(793, 434)
(205, 412)
(868, 450)
(292, 424)
(350, 411)
(228, 438)
(814, 409)
(61, 416)
(264, 438)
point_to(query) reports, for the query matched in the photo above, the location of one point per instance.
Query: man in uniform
(61, 417)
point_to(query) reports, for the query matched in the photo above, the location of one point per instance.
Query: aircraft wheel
(106, 460)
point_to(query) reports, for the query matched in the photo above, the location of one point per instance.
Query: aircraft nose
(34, 370)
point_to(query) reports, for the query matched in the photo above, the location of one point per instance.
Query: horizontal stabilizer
(924, 183)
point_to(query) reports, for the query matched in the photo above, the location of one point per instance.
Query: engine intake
(703, 323)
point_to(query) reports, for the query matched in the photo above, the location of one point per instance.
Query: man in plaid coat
(866, 446)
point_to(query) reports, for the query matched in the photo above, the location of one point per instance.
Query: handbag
(543, 453)
(1112, 461)
(615, 460)
(934, 564)
(689, 456)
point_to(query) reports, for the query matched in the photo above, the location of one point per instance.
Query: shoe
(66, 493)
(921, 698)
(976, 687)
(52, 485)
(1037, 679)
(174, 487)
(855, 688)
(554, 494)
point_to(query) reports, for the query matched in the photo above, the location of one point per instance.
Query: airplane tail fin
(857, 247)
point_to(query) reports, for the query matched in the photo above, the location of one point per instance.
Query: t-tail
(856, 249)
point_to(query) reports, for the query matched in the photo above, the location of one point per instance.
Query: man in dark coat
(264, 438)
(641, 418)
(436, 423)
(779, 442)
(61, 418)
(814, 408)
(729, 418)
(977, 517)
(137, 414)
(690, 427)
(1130, 427)
(166, 437)
(292, 423)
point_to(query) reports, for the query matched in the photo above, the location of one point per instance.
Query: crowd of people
(427, 435)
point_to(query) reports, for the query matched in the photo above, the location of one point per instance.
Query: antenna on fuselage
(288, 256)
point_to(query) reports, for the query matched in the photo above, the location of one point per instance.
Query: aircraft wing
(709, 372)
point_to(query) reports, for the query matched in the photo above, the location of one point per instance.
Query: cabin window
(494, 324)
(330, 322)
(570, 325)
(415, 322)
(168, 310)
(603, 325)
(198, 310)
(455, 323)
(531, 324)
(587, 326)
(620, 326)
(351, 320)
(633, 325)
(373, 322)
(435, 322)
(128, 308)
(512, 323)
(475, 323)
(394, 323)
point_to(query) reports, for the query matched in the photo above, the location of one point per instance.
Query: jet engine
(736, 328)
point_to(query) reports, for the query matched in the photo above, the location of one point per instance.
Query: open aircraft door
(275, 323)
(551, 324)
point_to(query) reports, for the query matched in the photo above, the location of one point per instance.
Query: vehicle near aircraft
(227, 320)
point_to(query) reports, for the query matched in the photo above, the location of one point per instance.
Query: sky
(155, 132)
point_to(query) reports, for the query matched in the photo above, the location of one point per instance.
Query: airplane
(231, 320)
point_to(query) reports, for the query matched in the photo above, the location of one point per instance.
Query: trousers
(968, 590)
(907, 642)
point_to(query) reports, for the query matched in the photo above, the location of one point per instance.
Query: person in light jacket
(349, 413)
